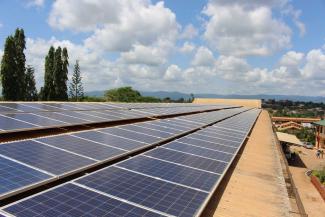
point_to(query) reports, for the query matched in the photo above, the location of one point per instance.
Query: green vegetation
(31, 92)
(320, 174)
(13, 67)
(56, 75)
(127, 94)
(76, 89)
(287, 108)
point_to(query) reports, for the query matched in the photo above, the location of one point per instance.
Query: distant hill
(176, 95)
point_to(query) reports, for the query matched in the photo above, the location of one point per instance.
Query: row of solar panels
(13, 122)
(29, 162)
(32, 107)
(176, 179)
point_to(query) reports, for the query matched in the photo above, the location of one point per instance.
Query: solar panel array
(175, 179)
(52, 157)
(31, 116)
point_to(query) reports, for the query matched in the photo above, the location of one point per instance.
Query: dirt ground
(311, 199)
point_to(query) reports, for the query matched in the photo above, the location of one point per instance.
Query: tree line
(18, 80)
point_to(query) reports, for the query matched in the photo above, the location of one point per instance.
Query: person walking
(318, 153)
(322, 153)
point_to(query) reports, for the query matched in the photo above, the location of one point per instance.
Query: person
(322, 153)
(317, 153)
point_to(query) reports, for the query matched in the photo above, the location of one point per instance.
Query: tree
(13, 67)
(48, 92)
(122, 94)
(64, 76)
(8, 68)
(57, 73)
(31, 92)
(76, 88)
(20, 46)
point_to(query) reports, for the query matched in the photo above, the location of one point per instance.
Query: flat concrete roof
(254, 103)
(289, 138)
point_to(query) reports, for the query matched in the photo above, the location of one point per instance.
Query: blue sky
(212, 46)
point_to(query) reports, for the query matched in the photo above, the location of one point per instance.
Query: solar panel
(131, 135)
(111, 140)
(216, 166)
(82, 146)
(34, 119)
(169, 171)
(75, 201)
(44, 157)
(216, 134)
(11, 124)
(146, 191)
(201, 143)
(175, 179)
(155, 126)
(14, 175)
(215, 140)
(135, 127)
(62, 117)
(200, 151)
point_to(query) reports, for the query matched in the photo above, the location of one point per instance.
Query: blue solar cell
(188, 160)
(153, 193)
(83, 147)
(165, 123)
(61, 117)
(74, 201)
(199, 151)
(215, 140)
(131, 135)
(82, 115)
(171, 172)
(41, 156)
(221, 135)
(210, 145)
(14, 175)
(111, 140)
(4, 109)
(11, 124)
(152, 125)
(105, 115)
(34, 119)
(147, 131)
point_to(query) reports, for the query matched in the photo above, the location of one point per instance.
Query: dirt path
(311, 199)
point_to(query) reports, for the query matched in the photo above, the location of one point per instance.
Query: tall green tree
(13, 67)
(20, 46)
(76, 90)
(8, 69)
(48, 92)
(63, 93)
(30, 84)
(57, 73)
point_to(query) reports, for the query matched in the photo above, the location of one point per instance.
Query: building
(320, 133)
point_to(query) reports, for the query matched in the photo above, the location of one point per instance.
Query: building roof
(289, 138)
(321, 122)
(255, 103)
(303, 120)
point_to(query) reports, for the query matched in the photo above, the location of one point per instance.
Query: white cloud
(187, 47)
(173, 73)
(189, 32)
(145, 55)
(203, 57)
(292, 58)
(315, 65)
(242, 30)
(37, 3)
